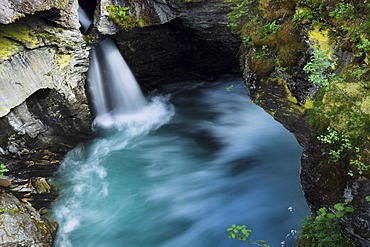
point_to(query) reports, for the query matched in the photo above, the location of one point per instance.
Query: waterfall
(84, 19)
(113, 88)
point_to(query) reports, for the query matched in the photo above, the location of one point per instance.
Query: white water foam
(89, 176)
(88, 181)
(178, 185)
(156, 113)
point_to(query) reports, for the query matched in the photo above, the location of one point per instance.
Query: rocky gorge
(45, 108)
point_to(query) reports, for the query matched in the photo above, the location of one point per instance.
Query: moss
(341, 107)
(124, 18)
(290, 47)
(21, 33)
(288, 95)
(365, 104)
(321, 41)
(260, 32)
(14, 37)
(7, 48)
(261, 63)
(273, 10)
(276, 91)
(308, 104)
(64, 61)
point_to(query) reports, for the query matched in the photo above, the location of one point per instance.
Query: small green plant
(121, 17)
(241, 232)
(229, 88)
(318, 67)
(247, 41)
(239, 14)
(335, 140)
(330, 138)
(270, 28)
(325, 229)
(340, 144)
(343, 10)
(363, 46)
(262, 53)
(302, 16)
(367, 198)
(3, 169)
(358, 163)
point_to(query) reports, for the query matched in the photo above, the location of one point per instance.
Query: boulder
(44, 111)
(22, 225)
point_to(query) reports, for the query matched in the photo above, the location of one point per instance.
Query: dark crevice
(41, 94)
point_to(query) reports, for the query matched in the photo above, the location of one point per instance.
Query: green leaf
(330, 216)
(339, 206)
(322, 211)
(339, 214)
(246, 232)
(349, 209)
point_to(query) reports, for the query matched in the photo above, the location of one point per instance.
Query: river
(196, 159)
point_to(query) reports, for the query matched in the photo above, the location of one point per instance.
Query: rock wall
(21, 224)
(44, 110)
(279, 39)
(43, 106)
(193, 43)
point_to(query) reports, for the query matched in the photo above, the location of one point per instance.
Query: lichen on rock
(44, 110)
(22, 225)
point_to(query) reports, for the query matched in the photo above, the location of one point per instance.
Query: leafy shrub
(317, 68)
(340, 144)
(241, 232)
(343, 10)
(325, 229)
(303, 15)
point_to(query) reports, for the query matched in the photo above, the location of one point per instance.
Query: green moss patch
(14, 37)
(123, 17)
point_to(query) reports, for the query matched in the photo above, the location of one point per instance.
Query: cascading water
(84, 20)
(182, 174)
(114, 90)
(178, 169)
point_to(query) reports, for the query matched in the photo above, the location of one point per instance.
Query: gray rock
(154, 12)
(12, 10)
(22, 225)
(102, 22)
(196, 44)
(43, 109)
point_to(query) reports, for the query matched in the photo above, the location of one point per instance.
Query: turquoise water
(193, 162)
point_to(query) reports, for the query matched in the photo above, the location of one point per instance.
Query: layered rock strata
(44, 110)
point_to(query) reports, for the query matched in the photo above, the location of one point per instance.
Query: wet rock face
(196, 45)
(44, 111)
(324, 184)
(12, 10)
(153, 12)
(21, 225)
(41, 131)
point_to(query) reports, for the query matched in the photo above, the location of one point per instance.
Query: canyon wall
(44, 110)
